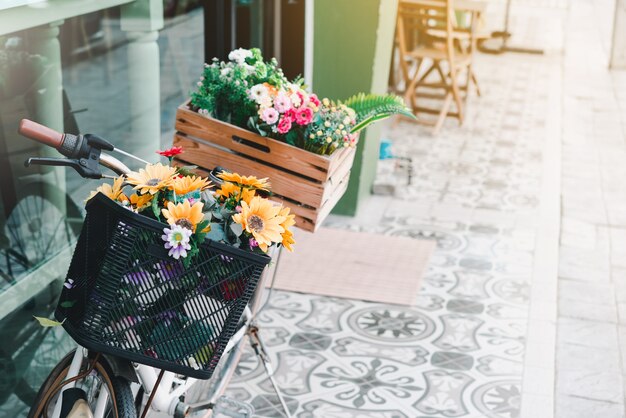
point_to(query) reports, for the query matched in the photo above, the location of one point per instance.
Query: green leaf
(291, 137)
(217, 232)
(226, 214)
(370, 108)
(201, 225)
(47, 322)
(67, 303)
(209, 200)
(155, 206)
(365, 123)
(236, 228)
(217, 214)
(187, 170)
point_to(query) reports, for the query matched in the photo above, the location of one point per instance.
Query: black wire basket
(125, 296)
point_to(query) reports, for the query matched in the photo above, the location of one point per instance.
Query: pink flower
(253, 243)
(304, 116)
(269, 115)
(282, 102)
(284, 125)
(291, 115)
(313, 99)
(303, 97)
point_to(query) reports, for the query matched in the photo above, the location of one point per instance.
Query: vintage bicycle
(122, 379)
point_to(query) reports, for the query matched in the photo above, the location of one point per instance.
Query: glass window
(99, 91)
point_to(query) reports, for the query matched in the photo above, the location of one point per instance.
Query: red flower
(171, 152)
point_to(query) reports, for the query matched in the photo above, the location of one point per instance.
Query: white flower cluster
(239, 55)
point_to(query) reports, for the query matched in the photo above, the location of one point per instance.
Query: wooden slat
(337, 179)
(338, 158)
(283, 183)
(311, 219)
(279, 153)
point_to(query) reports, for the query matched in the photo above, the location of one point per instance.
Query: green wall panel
(352, 47)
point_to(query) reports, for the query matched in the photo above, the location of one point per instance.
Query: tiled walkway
(526, 200)
(592, 270)
(460, 350)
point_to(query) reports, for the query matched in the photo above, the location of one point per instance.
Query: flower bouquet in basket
(248, 117)
(166, 263)
(236, 213)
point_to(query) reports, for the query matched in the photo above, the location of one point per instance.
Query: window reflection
(41, 209)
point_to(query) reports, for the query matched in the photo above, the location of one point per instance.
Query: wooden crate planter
(308, 183)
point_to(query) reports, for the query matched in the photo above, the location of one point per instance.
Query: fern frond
(370, 108)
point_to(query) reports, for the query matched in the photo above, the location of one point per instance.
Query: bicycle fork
(259, 348)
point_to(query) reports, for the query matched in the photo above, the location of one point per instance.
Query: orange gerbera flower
(184, 214)
(230, 189)
(113, 192)
(187, 184)
(249, 181)
(141, 201)
(153, 178)
(261, 219)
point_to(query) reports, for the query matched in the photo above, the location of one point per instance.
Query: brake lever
(87, 168)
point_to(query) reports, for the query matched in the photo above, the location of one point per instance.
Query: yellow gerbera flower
(141, 201)
(289, 221)
(184, 214)
(187, 184)
(153, 178)
(249, 181)
(230, 189)
(113, 192)
(261, 219)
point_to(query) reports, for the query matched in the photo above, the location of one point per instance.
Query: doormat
(355, 265)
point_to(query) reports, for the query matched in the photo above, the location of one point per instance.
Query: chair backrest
(417, 17)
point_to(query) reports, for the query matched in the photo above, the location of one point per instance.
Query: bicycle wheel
(98, 380)
(36, 229)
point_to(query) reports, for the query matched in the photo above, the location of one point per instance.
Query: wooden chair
(425, 35)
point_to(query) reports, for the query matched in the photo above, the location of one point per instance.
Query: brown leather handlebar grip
(40, 133)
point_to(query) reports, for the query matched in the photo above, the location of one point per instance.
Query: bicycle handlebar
(40, 133)
(84, 152)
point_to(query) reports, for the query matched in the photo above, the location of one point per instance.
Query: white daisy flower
(260, 94)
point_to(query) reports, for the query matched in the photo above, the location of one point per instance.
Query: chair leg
(468, 82)
(410, 93)
(456, 92)
(444, 112)
(476, 84)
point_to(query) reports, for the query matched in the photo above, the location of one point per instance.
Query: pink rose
(269, 115)
(284, 125)
(304, 116)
